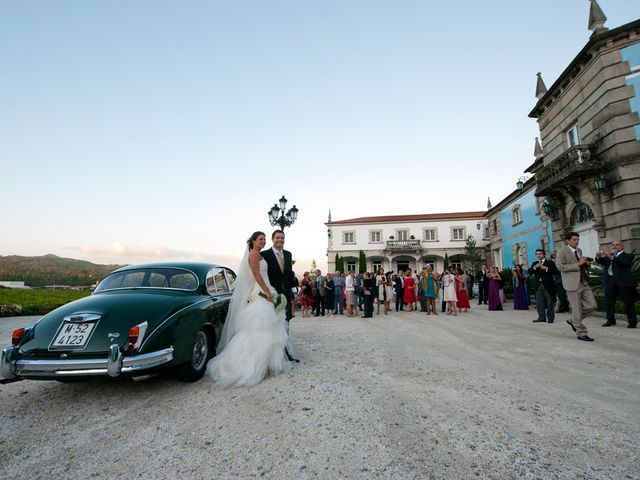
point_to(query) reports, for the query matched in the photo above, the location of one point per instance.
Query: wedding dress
(253, 339)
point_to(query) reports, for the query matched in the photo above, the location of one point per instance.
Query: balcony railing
(574, 164)
(403, 245)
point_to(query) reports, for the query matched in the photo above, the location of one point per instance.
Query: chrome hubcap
(200, 351)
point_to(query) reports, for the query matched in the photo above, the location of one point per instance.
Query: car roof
(199, 268)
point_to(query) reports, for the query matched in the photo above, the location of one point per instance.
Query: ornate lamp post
(285, 219)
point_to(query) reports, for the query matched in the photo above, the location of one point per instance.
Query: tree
(471, 258)
(339, 263)
(446, 261)
(362, 262)
(313, 265)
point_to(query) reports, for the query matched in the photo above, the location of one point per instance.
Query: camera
(588, 259)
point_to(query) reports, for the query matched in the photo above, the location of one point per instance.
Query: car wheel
(194, 368)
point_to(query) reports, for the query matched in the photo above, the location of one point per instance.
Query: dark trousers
(400, 300)
(545, 304)
(318, 305)
(368, 306)
(339, 305)
(627, 294)
(423, 304)
(563, 301)
(483, 293)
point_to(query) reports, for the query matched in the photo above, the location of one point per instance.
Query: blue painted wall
(530, 230)
(631, 54)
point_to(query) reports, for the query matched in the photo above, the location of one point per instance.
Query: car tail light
(134, 333)
(16, 336)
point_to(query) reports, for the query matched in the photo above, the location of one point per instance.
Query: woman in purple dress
(494, 289)
(520, 295)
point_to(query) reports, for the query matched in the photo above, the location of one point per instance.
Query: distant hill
(52, 270)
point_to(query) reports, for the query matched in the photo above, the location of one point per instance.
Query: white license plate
(73, 335)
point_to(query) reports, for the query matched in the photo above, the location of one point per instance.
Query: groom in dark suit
(280, 274)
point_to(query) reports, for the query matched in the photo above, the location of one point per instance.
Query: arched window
(582, 213)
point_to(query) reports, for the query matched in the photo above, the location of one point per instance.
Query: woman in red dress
(461, 291)
(306, 299)
(409, 290)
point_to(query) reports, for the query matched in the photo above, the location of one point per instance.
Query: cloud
(119, 253)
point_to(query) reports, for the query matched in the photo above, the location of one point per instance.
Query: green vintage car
(140, 319)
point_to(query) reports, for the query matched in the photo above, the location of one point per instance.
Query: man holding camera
(543, 271)
(618, 280)
(573, 267)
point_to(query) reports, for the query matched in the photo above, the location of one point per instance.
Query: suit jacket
(546, 277)
(569, 268)
(621, 267)
(483, 278)
(279, 279)
(397, 284)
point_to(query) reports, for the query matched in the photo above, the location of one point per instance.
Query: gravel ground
(481, 395)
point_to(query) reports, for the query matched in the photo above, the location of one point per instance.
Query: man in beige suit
(573, 268)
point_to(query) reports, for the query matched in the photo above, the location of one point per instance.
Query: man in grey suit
(573, 267)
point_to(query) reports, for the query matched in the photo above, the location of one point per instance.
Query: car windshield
(173, 278)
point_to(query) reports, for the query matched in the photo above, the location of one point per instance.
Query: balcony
(571, 167)
(404, 245)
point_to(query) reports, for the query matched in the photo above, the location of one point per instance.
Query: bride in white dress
(253, 339)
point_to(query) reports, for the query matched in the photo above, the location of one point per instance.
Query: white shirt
(348, 283)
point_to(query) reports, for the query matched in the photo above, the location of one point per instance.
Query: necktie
(583, 270)
(280, 260)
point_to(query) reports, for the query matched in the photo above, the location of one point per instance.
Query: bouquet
(279, 301)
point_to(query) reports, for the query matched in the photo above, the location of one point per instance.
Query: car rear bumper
(13, 367)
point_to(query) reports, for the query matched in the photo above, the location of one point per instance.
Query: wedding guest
(431, 290)
(482, 277)
(368, 285)
(469, 275)
(441, 285)
(329, 294)
(295, 293)
(338, 280)
(449, 291)
(350, 292)
(618, 281)
(520, 296)
(388, 288)
(422, 285)
(381, 282)
(543, 272)
(563, 301)
(409, 290)
(461, 291)
(306, 298)
(575, 278)
(494, 279)
(398, 287)
(357, 285)
(318, 303)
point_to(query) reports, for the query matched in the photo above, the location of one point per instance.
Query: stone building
(517, 227)
(587, 170)
(396, 242)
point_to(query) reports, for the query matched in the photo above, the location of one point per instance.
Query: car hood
(118, 310)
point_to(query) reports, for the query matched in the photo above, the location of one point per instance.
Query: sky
(150, 130)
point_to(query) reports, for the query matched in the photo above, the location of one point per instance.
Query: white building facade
(398, 242)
